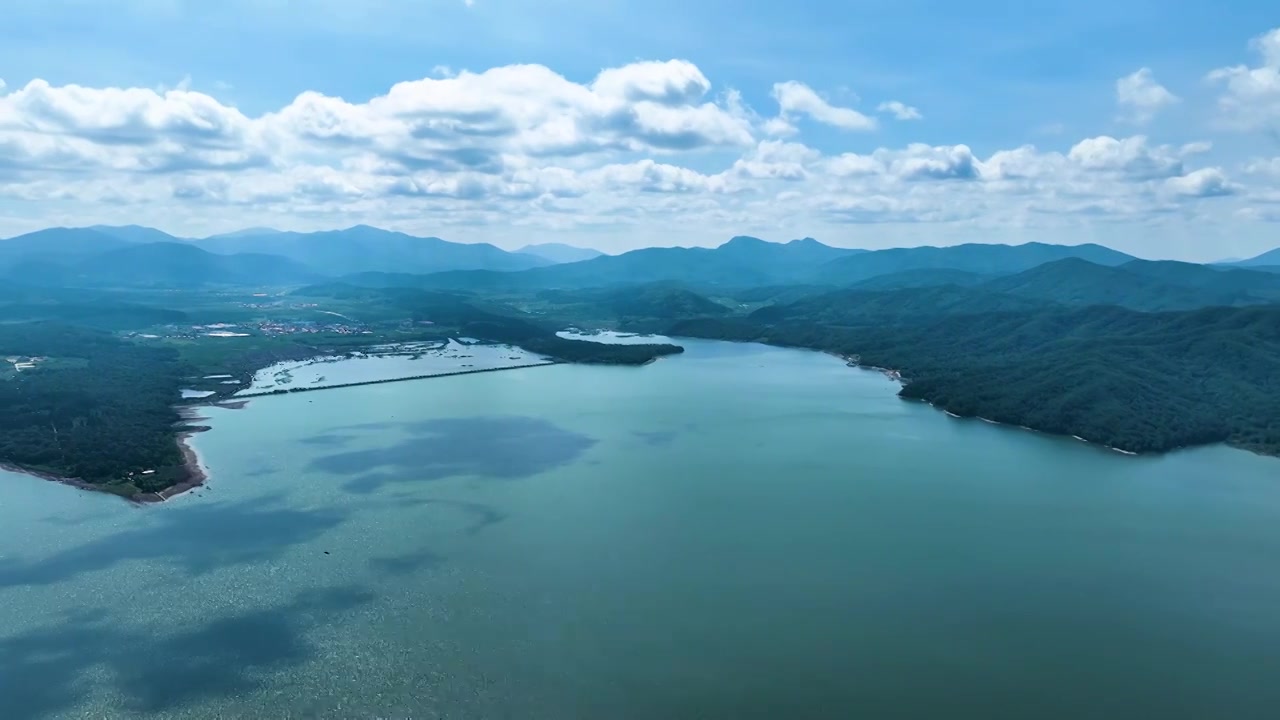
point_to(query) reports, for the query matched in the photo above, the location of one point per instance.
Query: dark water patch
(657, 438)
(380, 425)
(483, 516)
(327, 440)
(51, 669)
(400, 565)
(72, 520)
(369, 483)
(195, 538)
(503, 448)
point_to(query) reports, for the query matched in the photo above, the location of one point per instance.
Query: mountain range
(777, 273)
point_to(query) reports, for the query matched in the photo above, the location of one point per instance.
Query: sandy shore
(197, 474)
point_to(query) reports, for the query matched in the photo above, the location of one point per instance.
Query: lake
(736, 532)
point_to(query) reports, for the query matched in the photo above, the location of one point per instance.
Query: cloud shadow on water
(328, 440)
(657, 438)
(399, 565)
(196, 538)
(51, 669)
(502, 448)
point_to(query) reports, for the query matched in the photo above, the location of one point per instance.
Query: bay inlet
(739, 531)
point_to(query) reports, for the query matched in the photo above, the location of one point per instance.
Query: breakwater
(313, 388)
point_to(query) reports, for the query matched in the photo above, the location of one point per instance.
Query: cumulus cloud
(1202, 183)
(1267, 166)
(1251, 95)
(1130, 156)
(899, 110)
(795, 98)
(649, 144)
(126, 116)
(675, 82)
(1140, 97)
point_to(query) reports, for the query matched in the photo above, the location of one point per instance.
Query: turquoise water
(736, 532)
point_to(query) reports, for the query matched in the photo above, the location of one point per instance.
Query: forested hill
(102, 413)
(1140, 382)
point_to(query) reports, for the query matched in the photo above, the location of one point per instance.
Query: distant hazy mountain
(1255, 282)
(746, 262)
(559, 252)
(174, 264)
(741, 262)
(57, 245)
(981, 259)
(134, 233)
(246, 232)
(1270, 258)
(368, 249)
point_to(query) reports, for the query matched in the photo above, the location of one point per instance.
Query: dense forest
(1140, 382)
(101, 411)
(494, 321)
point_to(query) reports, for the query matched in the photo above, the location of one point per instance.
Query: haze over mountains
(985, 277)
(560, 252)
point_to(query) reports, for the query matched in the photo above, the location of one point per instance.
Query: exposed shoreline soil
(197, 474)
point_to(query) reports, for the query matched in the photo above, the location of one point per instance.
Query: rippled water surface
(736, 532)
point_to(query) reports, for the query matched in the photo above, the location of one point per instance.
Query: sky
(1152, 127)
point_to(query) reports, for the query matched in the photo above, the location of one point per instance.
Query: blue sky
(989, 77)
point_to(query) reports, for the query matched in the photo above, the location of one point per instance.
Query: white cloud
(796, 98)
(916, 162)
(899, 110)
(128, 116)
(779, 127)
(1251, 95)
(1140, 97)
(1267, 166)
(1131, 157)
(650, 146)
(675, 83)
(1205, 182)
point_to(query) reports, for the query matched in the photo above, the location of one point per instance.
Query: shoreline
(51, 477)
(197, 474)
(1062, 436)
(855, 361)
